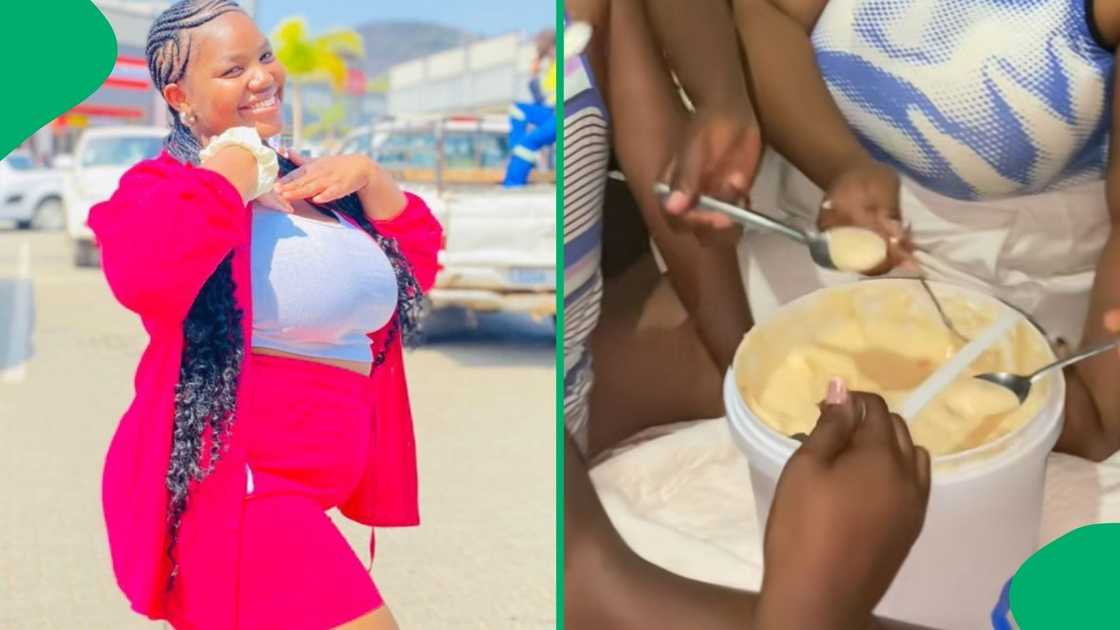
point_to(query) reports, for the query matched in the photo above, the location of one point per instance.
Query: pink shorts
(305, 427)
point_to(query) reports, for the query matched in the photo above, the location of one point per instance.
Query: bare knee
(380, 619)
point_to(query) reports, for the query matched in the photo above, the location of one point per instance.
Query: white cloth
(683, 501)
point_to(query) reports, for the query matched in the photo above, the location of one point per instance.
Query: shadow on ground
(519, 339)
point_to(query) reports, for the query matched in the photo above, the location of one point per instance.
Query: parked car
(29, 195)
(102, 155)
(499, 250)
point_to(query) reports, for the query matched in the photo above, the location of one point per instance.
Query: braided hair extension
(213, 343)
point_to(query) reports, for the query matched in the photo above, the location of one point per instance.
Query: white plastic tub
(984, 514)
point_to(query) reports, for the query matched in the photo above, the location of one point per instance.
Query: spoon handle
(1084, 354)
(742, 215)
(958, 363)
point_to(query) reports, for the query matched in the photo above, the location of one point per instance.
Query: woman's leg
(607, 585)
(651, 366)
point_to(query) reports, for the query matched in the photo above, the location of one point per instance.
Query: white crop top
(318, 287)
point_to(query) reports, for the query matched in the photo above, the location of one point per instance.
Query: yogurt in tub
(989, 456)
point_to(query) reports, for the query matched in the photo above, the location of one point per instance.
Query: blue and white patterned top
(972, 98)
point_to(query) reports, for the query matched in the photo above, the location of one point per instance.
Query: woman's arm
(648, 122)
(720, 152)
(607, 585)
(790, 97)
(1092, 425)
(382, 198)
(803, 122)
(699, 41)
(169, 225)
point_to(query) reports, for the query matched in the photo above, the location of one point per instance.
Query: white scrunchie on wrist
(247, 137)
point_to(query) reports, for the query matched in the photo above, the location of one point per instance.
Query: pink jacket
(162, 234)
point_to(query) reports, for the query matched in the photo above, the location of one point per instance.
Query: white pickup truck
(499, 250)
(30, 196)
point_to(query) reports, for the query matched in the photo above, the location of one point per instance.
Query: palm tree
(307, 58)
(331, 123)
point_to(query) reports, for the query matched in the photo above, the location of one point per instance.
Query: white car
(499, 250)
(102, 155)
(30, 196)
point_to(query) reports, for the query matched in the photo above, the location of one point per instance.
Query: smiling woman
(216, 519)
(219, 95)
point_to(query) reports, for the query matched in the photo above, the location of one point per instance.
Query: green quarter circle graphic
(1070, 583)
(55, 55)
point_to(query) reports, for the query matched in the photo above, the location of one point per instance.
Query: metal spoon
(940, 311)
(816, 242)
(1021, 385)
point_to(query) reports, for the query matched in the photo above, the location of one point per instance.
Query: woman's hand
(718, 156)
(866, 195)
(325, 179)
(848, 506)
(272, 199)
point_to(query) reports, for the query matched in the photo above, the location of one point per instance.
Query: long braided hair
(213, 343)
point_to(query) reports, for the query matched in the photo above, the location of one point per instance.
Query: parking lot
(483, 396)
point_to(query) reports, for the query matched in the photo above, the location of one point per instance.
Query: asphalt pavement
(483, 396)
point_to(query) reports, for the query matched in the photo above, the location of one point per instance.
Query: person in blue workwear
(533, 124)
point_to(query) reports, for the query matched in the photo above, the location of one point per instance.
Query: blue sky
(488, 17)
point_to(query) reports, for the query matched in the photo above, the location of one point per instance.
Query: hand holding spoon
(844, 249)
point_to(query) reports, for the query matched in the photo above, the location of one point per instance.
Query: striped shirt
(586, 151)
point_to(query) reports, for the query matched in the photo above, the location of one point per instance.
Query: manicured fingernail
(676, 202)
(837, 392)
(826, 204)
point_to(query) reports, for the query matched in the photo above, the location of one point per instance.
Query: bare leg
(380, 619)
(609, 586)
(650, 364)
